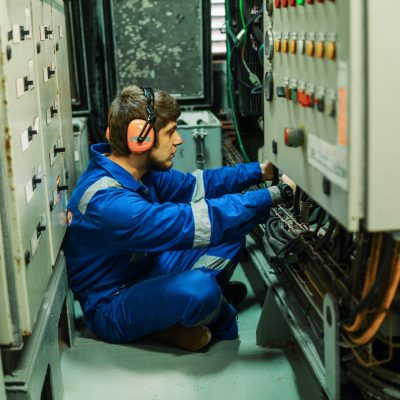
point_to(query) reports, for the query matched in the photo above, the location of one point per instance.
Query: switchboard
(36, 142)
(325, 94)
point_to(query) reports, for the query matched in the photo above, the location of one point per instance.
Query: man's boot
(191, 338)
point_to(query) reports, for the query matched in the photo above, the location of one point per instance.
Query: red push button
(293, 137)
(310, 1)
(305, 100)
(278, 3)
(293, 3)
(285, 3)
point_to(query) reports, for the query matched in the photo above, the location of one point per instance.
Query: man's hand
(288, 181)
(267, 171)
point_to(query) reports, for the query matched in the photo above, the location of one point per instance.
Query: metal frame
(38, 366)
(283, 321)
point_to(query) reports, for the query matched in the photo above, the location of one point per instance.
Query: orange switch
(292, 46)
(319, 49)
(284, 45)
(277, 45)
(310, 48)
(330, 48)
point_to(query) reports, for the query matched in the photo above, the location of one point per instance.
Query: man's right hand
(288, 181)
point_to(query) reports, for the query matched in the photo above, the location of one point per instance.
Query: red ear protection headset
(140, 132)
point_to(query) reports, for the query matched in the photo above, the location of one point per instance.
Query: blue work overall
(144, 256)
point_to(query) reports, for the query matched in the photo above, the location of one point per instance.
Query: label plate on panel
(329, 159)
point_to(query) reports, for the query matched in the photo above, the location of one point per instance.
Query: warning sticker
(69, 216)
(329, 159)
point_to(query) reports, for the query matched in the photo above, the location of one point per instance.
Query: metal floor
(235, 370)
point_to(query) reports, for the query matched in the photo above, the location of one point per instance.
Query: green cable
(229, 78)
(242, 16)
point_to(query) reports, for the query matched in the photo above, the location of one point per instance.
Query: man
(150, 250)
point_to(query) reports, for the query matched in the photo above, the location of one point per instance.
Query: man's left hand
(267, 171)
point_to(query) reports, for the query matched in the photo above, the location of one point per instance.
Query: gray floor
(236, 370)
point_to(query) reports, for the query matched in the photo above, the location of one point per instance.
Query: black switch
(59, 150)
(23, 32)
(27, 257)
(27, 83)
(280, 91)
(53, 111)
(35, 182)
(31, 132)
(62, 187)
(321, 105)
(47, 32)
(274, 147)
(326, 186)
(39, 229)
(50, 72)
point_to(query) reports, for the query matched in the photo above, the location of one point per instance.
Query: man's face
(162, 153)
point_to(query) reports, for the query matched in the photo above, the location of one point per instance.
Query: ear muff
(135, 127)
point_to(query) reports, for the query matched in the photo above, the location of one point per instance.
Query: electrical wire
(370, 277)
(388, 297)
(230, 95)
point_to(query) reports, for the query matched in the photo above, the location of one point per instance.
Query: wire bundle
(361, 270)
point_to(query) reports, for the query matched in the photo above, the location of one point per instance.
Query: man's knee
(200, 294)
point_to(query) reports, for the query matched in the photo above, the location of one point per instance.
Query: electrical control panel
(318, 91)
(35, 130)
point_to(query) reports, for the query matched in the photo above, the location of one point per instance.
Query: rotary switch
(269, 44)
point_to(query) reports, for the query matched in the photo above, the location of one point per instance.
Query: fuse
(293, 43)
(277, 41)
(310, 44)
(330, 48)
(319, 49)
(301, 43)
(285, 43)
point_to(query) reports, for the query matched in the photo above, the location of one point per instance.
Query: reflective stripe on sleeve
(211, 262)
(199, 191)
(202, 224)
(102, 183)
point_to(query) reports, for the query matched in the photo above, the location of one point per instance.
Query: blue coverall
(144, 256)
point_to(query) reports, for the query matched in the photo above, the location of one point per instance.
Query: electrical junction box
(331, 115)
(202, 144)
(35, 155)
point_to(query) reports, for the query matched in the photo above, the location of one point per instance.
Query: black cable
(235, 47)
(250, 25)
(385, 265)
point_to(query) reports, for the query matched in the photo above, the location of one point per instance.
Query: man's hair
(131, 104)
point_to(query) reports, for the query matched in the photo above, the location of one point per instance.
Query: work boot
(235, 293)
(191, 338)
(225, 326)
